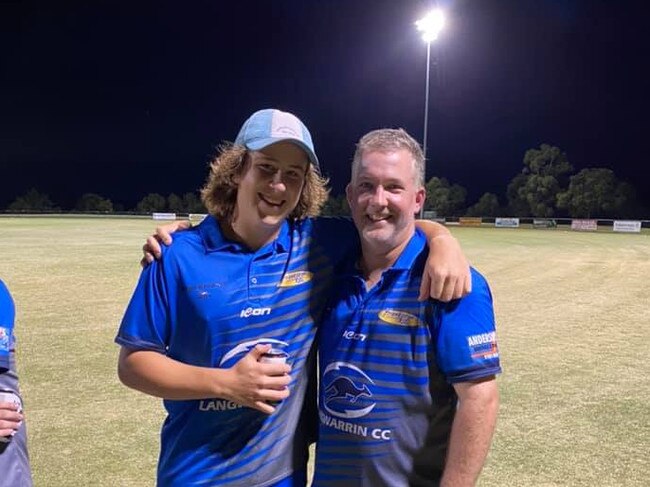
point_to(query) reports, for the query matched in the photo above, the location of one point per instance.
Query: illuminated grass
(573, 314)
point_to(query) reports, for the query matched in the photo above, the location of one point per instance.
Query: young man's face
(383, 199)
(270, 187)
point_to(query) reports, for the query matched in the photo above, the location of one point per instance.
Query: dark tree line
(187, 203)
(545, 187)
(34, 201)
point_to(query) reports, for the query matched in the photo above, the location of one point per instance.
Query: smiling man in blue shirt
(408, 395)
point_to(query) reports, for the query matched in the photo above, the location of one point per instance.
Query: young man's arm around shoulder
(446, 275)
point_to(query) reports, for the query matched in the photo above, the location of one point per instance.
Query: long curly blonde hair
(219, 194)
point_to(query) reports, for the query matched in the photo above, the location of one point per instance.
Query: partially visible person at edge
(407, 394)
(14, 459)
(253, 275)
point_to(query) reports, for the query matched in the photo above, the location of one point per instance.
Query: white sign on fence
(164, 216)
(506, 222)
(627, 226)
(197, 217)
(584, 225)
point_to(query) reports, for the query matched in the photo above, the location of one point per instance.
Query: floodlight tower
(430, 25)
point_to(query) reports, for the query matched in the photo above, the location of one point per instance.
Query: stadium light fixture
(430, 25)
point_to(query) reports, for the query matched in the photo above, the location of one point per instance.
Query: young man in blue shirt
(253, 275)
(408, 395)
(14, 459)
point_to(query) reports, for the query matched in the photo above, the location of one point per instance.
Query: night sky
(126, 98)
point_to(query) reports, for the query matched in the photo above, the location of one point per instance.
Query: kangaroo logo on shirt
(344, 388)
(347, 391)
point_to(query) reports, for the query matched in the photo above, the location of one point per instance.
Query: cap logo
(269, 126)
(284, 124)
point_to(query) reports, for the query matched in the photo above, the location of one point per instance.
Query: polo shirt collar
(283, 241)
(411, 252)
(214, 239)
(405, 260)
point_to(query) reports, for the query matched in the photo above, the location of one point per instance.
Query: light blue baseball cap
(269, 126)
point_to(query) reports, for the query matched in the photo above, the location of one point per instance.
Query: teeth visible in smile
(376, 218)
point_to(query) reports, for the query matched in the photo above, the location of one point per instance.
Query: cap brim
(260, 144)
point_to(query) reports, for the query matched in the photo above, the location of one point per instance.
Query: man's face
(270, 187)
(383, 199)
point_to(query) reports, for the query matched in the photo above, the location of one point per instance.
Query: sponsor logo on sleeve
(397, 317)
(291, 279)
(483, 345)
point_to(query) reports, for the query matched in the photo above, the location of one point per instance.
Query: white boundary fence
(579, 224)
(575, 224)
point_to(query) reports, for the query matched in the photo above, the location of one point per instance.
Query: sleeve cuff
(470, 375)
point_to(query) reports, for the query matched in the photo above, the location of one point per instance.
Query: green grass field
(573, 317)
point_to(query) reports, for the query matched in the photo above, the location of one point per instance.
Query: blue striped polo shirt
(387, 364)
(208, 302)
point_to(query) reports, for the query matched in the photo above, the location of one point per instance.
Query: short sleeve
(145, 325)
(7, 317)
(465, 335)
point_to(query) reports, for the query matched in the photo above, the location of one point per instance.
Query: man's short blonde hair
(391, 140)
(219, 194)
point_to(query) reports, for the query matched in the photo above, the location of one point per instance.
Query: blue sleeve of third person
(7, 316)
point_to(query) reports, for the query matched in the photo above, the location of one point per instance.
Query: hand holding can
(12, 398)
(274, 356)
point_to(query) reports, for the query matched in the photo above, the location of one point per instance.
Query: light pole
(430, 25)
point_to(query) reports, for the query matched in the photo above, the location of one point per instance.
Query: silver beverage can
(274, 356)
(10, 396)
